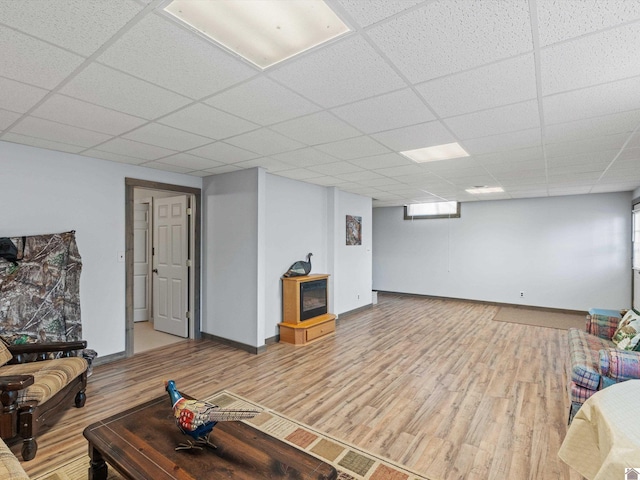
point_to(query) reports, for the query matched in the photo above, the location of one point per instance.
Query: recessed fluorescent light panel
(481, 190)
(264, 32)
(436, 153)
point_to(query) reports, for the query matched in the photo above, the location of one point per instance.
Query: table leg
(97, 467)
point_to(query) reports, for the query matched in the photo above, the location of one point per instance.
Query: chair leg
(29, 449)
(81, 398)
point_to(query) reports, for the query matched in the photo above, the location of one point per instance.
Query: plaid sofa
(595, 362)
(10, 468)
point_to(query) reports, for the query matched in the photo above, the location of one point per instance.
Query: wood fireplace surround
(296, 328)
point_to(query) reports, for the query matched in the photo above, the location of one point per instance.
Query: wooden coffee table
(140, 444)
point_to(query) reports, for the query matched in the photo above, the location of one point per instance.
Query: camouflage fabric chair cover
(40, 295)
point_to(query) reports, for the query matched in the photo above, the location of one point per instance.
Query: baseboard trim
(108, 358)
(356, 310)
(234, 344)
(486, 302)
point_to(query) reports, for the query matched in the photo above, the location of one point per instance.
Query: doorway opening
(163, 225)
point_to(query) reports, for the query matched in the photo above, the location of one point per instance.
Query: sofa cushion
(627, 336)
(50, 376)
(584, 350)
(5, 354)
(10, 468)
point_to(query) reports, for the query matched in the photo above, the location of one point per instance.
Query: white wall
(296, 224)
(564, 252)
(230, 305)
(353, 263)
(44, 191)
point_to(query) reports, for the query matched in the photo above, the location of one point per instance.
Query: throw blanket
(40, 296)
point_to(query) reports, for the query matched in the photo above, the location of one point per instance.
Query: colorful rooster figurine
(197, 418)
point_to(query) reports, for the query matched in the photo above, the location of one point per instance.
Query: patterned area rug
(352, 463)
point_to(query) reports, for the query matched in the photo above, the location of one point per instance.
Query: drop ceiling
(544, 95)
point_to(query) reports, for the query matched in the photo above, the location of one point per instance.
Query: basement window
(432, 210)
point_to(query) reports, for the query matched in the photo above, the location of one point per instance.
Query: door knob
(155, 270)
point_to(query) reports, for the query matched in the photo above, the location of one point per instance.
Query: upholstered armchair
(34, 387)
(595, 360)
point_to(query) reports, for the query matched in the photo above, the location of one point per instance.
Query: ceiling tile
(263, 101)
(304, 157)
(57, 132)
(511, 156)
(489, 86)
(7, 118)
(335, 168)
(163, 53)
(417, 136)
(270, 164)
(41, 143)
(386, 112)
(168, 167)
(345, 71)
(316, 128)
(190, 162)
(167, 137)
(599, 159)
(113, 157)
(207, 121)
(34, 62)
(382, 161)
(264, 142)
(327, 180)
(122, 146)
(372, 11)
(509, 118)
(602, 57)
(19, 97)
(78, 25)
(118, 91)
(223, 152)
(594, 101)
(301, 174)
(614, 187)
(71, 111)
(592, 127)
(504, 142)
(364, 176)
(449, 36)
(352, 148)
(567, 190)
(559, 21)
(394, 172)
(223, 169)
(587, 146)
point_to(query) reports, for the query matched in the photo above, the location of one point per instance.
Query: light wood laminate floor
(430, 383)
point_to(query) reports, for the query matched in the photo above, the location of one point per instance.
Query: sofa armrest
(618, 366)
(23, 353)
(603, 323)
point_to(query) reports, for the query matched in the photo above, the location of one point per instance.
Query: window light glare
(434, 208)
(481, 190)
(264, 32)
(436, 153)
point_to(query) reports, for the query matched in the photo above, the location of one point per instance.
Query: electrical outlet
(522, 294)
(358, 296)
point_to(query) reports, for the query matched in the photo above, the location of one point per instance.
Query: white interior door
(170, 254)
(141, 263)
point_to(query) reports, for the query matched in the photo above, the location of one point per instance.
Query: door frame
(195, 246)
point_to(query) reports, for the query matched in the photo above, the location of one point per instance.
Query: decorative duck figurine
(197, 418)
(299, 268)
